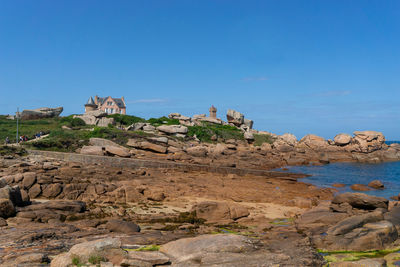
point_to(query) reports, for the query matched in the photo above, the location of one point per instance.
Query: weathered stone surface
(13, 194)
(52, 190)
(313, 142)
(122, 227)
(35, 191)
(173, 129)
(40, 113)
(32, 258)
(7, 208)
(153, 257)
(342, 139)
(118, 151)
(235, 117)
(248, 136)
(368, 141)
(354, 222)
(154, 194)
(29, 179)
(219, 212)
(85, 250)
(359, 187)
(188, 248)
(104, 122)
(369, 236)
(144, 145)
(197, 151)
(376, 184)
(360, 201)
(92, 150)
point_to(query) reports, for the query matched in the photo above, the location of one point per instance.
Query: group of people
(23, 138)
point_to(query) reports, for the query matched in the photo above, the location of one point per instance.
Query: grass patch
(121, 119)
(282, 221)
(260, 139)
(95, 259)
(148, 248)
(335, 256)
(206, 131)
(163, 121)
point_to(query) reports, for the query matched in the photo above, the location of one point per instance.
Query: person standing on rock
(7, 140)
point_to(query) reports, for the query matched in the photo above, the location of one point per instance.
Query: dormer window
(109, 103)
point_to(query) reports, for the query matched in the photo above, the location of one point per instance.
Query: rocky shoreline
(68, 213)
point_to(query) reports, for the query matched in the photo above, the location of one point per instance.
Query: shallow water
(354, 173)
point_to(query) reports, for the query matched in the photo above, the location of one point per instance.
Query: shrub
(259, 139)
(95, 259)
(70, 121)
(163, 120)
(125, 119)
(207, 130)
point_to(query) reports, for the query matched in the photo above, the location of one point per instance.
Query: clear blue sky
(319, 67)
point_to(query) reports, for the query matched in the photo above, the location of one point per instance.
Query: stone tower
(90, 105)
(213, 112)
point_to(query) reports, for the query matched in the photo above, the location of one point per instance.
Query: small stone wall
(137, 163)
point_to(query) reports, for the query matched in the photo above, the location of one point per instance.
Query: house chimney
(96, 100)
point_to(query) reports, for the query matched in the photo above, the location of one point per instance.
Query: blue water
(354, 173)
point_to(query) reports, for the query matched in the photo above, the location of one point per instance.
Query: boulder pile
(40, 113)
(96, 117)
(352, 222)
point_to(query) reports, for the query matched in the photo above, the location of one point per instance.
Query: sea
(354, 173)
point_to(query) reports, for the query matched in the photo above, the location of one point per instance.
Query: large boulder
(104, 122)
(92, 150)
(82, 251)
(144, 145)
(368, 141)
(187, 249)
(118, 151)
(235, 117)
(285, 142)
(173, 129)
(40, 113)
(197, 151)
(358, 201)
(360, 233)
(7, 208)
(342, 139)
(13, 194)
(313, 142)
(122, 227)
(219, 212)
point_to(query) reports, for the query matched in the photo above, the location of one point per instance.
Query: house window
(109, 103)
(111, 110)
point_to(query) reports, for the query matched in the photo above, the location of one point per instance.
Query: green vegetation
(27, 128)
(335, 256)
(206, 131)
(260, 139)
(121, 119)
(12, 150)
(162, 121)
(96, 259)
(148, 248)
(76, 261)
(72, 122)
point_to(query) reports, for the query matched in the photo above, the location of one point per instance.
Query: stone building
(106, 104)
(213, 112)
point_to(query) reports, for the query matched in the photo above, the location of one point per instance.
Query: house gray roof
(90, 101)
(118, 101)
